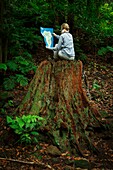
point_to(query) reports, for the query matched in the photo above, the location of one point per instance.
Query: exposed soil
(15, 156)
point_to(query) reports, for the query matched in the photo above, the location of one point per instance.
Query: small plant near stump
(26, 127)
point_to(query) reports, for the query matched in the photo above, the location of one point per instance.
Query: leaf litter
(15, 156)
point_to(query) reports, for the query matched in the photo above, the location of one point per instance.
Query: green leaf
(10, 102)
(40, 118)
(35, 140)
(35, 133)
(110, 48)
(27, 125)
(24, 118)
(12, 65)
(18, 131)
(14, 126)
(32, 126)
(22, 79)
(96, 86)
(3, 66)
(25, 138)
(20, 122)
(24, 82)
(9, 83)
(22, 60)
(102, 51)
(9, 119)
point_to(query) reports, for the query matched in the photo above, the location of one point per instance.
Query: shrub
(26, 127)
(3, 66)
(21, 64)
(11, 82)
(105, 50)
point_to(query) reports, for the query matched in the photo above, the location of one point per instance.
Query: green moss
(82, 163)
(51, 114)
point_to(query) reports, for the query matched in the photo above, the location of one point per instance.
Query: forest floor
(15, 156)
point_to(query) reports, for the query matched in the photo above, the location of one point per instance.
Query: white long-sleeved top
(65, 44)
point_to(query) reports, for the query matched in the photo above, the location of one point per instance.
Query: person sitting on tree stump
(65, 47)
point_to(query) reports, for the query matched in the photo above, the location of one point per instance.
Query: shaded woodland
(56, 114)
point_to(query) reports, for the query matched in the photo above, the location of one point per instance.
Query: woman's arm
(60, 42)
(57, 36)
(58, 46)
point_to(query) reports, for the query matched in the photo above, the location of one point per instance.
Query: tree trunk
(0, 50)
(56, 93)
(1, 28)
(5, 49)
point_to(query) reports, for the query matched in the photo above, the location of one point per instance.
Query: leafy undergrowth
(44, 156)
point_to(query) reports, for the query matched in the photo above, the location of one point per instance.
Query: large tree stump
(56, 94)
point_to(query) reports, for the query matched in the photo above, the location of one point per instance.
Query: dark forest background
(91, 23)
(22, 52)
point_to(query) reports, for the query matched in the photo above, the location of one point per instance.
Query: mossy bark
(56, 93)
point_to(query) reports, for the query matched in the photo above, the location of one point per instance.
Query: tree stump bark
(56, 94)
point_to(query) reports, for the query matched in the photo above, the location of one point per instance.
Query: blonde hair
(65, 26)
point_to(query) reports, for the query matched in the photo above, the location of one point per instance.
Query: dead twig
(30, 163)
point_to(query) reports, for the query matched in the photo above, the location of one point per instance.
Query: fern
(3, 66)
(27, 68)
(21, 64)
(21, 60)
(12, 81)
(9, 83)
(12, 65)
(110, 48)
(26, 127)
(27, 55)
(104, 50)
(22, 80)
(25, 65)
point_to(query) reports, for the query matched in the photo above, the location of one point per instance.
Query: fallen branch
(26, 162)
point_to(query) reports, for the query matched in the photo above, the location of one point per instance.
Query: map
(48, 37)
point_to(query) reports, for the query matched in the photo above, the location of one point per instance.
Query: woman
(65, 47)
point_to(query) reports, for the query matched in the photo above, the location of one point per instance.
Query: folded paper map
(48, 37)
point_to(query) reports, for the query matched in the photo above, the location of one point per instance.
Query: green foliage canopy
(21, 20)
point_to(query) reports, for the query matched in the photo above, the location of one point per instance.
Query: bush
(106, 19)
(22, 67)
(21, 64)
(11, 82)
(26, 127)
(105, 50)
(3, 67)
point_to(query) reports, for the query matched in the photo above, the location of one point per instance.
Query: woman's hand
(48, 47)
(54, 34)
